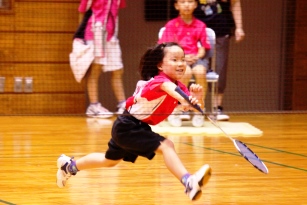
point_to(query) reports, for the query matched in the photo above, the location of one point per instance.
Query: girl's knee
(199, 70)
(112, 163)
(167, 144)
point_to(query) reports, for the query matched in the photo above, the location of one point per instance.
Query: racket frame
(186, 97)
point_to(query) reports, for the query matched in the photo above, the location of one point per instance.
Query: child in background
(154, 99)
(101, 31)
(190, 33)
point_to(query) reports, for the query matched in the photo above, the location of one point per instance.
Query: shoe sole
(204, 180)
(219, 118)
(59, 183)
(222, 119)
(197, 195)
(59, 174)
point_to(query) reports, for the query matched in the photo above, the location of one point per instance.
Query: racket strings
(250, 156)
(245, 151)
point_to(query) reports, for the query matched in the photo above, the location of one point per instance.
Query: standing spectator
(190, 33)
(223, 16)
(101, 30)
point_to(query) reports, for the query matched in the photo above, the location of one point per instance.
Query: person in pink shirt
(190, 33)
(101, 31)
(154, 99)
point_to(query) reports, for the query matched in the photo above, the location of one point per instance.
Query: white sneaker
(220, 115)
(174, 118)
(196, 181)
(62, 174)
(198, 120)
(121, 107)
(97, 110)
(212, 75)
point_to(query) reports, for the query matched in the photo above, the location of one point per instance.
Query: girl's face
(173, 64)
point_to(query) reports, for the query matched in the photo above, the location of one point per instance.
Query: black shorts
(132, 138)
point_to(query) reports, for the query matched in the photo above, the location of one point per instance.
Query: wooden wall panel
(46, 17)
(50, 78)
(7, 47)
(36, 47)
(6, 23)
(36, 40)
(42, 104)
(42, 47)
(41, 16)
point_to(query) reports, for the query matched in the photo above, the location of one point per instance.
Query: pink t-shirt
(102, 9)
(187, 35)
(150, 103)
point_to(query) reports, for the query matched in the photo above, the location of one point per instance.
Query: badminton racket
(242, 148)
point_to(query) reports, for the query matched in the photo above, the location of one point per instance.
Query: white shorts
(112, 59)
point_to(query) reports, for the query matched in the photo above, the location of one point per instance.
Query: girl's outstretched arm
(170, 87)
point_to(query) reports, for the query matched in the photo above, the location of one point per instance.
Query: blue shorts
(132, 138)
(204, 62)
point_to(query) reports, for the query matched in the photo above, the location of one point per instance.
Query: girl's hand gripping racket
(246, 152)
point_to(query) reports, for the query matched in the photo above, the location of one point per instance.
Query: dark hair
(151, 59)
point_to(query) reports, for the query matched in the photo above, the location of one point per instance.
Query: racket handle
(186, 97)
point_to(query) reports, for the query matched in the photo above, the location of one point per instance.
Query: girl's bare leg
(95, 160)
(171, 159)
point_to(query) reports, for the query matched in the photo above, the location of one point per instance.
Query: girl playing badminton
(152, 102)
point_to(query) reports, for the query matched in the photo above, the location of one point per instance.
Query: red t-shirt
(150, 103)
(186, 35)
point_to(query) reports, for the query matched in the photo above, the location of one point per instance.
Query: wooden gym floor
(30, 145)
